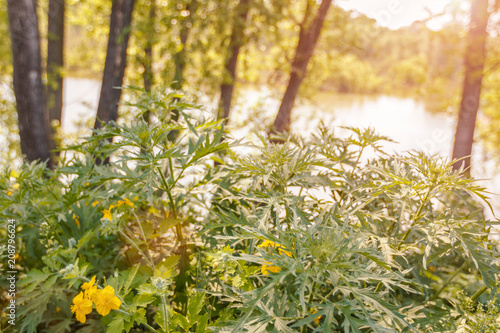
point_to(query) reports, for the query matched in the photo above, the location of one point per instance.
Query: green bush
(317, 235)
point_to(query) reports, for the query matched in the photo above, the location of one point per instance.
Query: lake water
(404, 120)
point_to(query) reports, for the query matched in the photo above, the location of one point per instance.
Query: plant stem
(178, 228)
(165, 312)
(351, 174)
(449, 281)
(479, 293)
(145, 324)
(144, 238)
(150, 262)
(417, 216)
(168, 189)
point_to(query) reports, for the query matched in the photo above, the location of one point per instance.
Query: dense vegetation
(322, 235)
(158, 220)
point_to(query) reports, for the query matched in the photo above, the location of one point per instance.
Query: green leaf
(143, 300)
(34, 278)
(130, 278)
(195, 305)
(116, 326)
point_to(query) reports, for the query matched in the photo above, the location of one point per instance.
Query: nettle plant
(301, 236)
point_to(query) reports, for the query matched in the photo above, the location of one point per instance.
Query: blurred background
(408, 69)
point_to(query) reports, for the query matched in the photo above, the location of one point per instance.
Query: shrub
(317, 235)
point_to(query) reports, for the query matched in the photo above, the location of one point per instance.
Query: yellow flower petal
(95, 203)
(81, 307)
(105, 300)
(265, 269)
(77, 221)
(317, 319)
(125, 202)
(281, 251)
(90, 284)
(268, 243)
(281, 248)
(90, 293)
(106, 214)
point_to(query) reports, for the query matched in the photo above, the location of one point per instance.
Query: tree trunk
(235, 43)
(33, 115)
(147, 62)
(180, 62)
(148, 49)
(308, 38)
(116, 56)
(55, 59)
(474, 65)
(180, 56)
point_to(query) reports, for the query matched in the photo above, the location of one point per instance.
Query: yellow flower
(81, 307)
(281, 248)
(77, 221)
(318, 318)
(88, 285)
(90, 293)
(11, 190)
(89, 288)
(58, 309)
(265, 269)
(268, 243)
(105, 300)
(95, 203)
(281, 251)
(125, 202)
(106, 213)
(152, 210)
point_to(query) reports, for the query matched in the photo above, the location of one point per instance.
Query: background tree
(116, 56)
(33, 115)
(148, 48)
(185, 23)
(475, 56)
(55, 59)
(308, 37)
(235, 43)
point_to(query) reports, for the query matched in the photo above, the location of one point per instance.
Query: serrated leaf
(116, 326)
(143, 300)
(34, 278)
(195, 305)
(130, 279)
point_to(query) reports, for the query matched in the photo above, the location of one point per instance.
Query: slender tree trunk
(235, 43)
(116, 56)
(147, 62)
(180, 56)
(308, 38)
(55, 59)
(474, 65)
(148, 50)
(180, 61)
(33, 115)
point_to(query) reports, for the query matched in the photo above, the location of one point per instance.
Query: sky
(399, 13)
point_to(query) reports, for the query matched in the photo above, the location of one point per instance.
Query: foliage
(325, 235)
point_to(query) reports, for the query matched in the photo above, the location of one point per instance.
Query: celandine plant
(301, 236)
